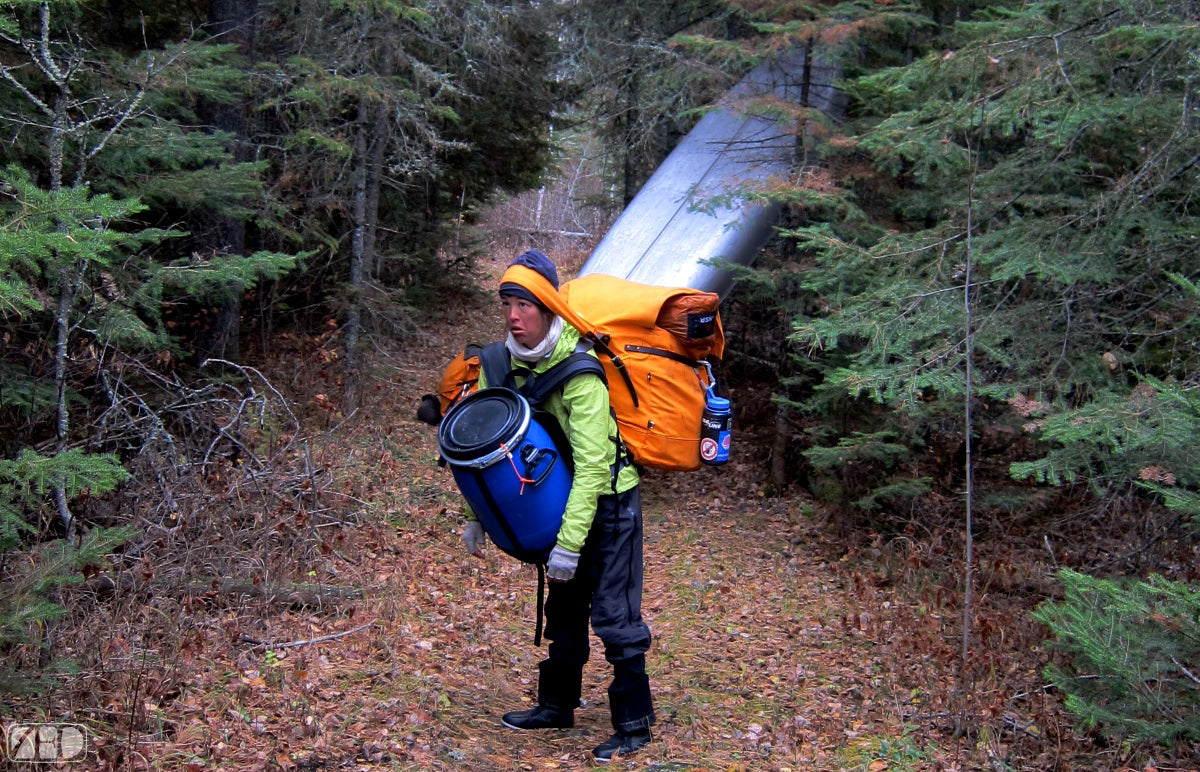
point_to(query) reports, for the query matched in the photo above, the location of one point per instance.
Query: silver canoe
(688, 211)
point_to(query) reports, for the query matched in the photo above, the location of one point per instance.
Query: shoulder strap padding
(541, 385)
(493, 360)
(538, 386)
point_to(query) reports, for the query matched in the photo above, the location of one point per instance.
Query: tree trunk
(230, 21)
(62, 316)
(779, 448)
(632, 109)
(370, 141)
(352, 393)
(379, 139)
(632, 179)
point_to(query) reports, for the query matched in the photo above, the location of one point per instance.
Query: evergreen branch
(1074, 28)
(953, 288)
(1182, 170)
(1062, 67)
(123, 117)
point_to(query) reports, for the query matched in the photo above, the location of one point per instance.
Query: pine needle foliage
(86, 248)
(1135, 655)
(29, 590)
(1149, 435)
(31, 599)
(1070, 132)
(73, 235)
(882, 455)
(1053, 147)
(27, 480)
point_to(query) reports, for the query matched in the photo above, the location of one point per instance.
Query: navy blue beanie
(531, 258)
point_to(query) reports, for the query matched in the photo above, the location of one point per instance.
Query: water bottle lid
(717, 403)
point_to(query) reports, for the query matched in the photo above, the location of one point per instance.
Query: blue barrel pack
(508, 469)
(715, 429)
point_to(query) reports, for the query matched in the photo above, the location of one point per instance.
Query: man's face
(525, 320)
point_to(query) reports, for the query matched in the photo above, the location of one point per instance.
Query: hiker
(595, 568)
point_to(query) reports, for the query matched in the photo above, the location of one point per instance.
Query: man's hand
(474, 538)
(561, 565)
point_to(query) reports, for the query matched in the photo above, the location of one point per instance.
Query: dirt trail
(754, 665)
(760, 659)
(774, 648)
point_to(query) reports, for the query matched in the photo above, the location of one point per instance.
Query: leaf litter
(780, 641)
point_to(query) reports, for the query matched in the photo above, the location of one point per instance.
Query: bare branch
(29, 95)
(1186, 672)
(247, 369)
(311, 641)
(45, 58)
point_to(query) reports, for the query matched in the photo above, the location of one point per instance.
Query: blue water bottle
(715, 426)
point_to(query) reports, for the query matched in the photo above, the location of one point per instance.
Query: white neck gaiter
(541, 350)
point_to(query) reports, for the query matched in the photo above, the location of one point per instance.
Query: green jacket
(582, 409)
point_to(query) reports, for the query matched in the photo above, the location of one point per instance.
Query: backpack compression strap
(662, 352)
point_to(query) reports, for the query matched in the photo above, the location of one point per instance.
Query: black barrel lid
(479, 424)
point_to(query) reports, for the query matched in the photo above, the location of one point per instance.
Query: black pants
(607, 593)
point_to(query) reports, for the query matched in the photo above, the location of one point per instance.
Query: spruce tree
(101, 153)
(640, 75)
(1052, 148)
(386, 124)
(1134, 666)
(1063, 133)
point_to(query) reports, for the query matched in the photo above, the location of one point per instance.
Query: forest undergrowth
(318, 611)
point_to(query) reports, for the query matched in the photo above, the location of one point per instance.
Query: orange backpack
(655, 344)
(459, 378)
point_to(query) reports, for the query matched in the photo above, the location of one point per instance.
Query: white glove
(474, 538)
(562, 564)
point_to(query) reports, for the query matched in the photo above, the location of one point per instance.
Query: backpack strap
(493, 360)
(539, 386)
(662, 352)
(601, 344)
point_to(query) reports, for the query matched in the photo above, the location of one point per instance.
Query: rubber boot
(632, 714)
(559, 688)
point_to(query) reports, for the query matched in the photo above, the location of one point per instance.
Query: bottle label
(715, 437)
